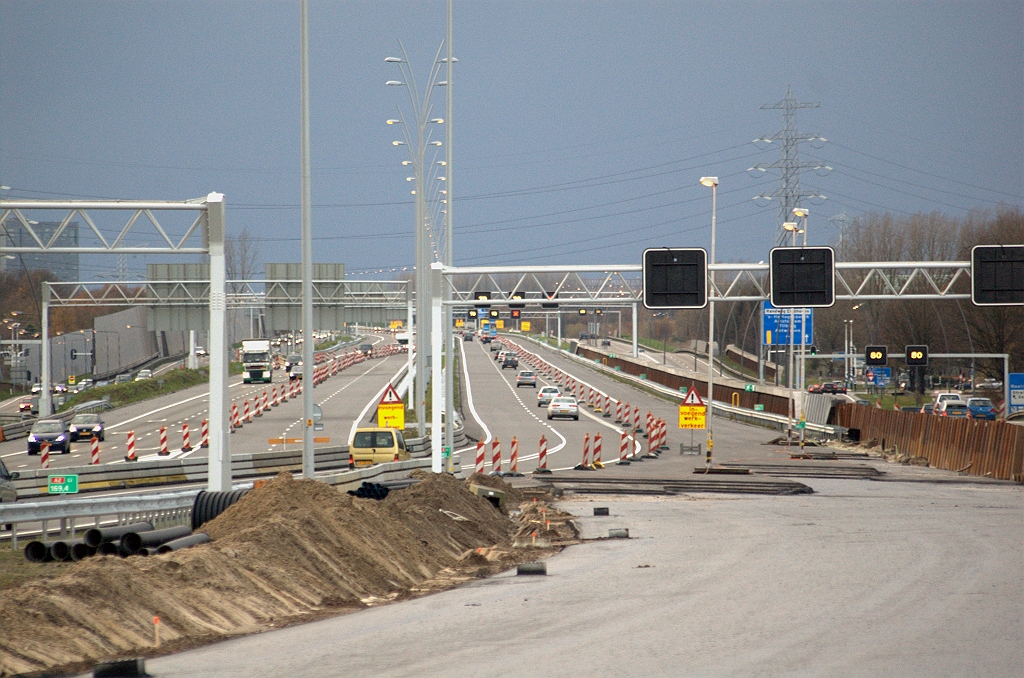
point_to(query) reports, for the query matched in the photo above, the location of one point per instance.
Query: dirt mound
(287, 551)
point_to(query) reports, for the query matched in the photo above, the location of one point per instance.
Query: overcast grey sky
(581, 128)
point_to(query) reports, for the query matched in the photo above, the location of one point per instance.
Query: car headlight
(32, 439)
(73, 428)
(96, 428)
(59, 438)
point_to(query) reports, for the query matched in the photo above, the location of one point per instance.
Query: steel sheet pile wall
(772, 403)
(982, 448)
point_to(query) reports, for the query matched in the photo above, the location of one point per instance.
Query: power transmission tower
(788, 165)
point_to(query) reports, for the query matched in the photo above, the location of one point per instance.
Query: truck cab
(256, 361)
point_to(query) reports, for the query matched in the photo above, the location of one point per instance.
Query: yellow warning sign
(396, 324)
(391, 415)
(459, 322)
(525, 326)
(693, 416)
(500, 324)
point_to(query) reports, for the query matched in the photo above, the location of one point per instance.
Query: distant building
(63, 266)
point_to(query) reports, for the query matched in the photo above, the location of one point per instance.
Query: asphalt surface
(917, 573)
(342, 399)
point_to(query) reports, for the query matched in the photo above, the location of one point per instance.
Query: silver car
(546, 394)
(8, 493)
(563, 407)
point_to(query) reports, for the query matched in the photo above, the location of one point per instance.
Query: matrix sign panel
(876, 355)
(917, 356)
(803, 276)
(997, 275)
(675, 278)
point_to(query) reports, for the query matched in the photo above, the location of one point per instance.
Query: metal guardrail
(766, 419)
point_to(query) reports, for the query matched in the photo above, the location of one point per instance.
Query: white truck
(256, 361)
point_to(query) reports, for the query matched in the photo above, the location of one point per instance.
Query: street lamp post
(417, 151)
(712, 183)
(801, 213)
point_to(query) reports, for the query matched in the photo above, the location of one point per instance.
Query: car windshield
(84, 419)
(979, 402)
(48, 427)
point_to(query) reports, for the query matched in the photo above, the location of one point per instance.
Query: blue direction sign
(879, 376)
(776, 325)
(1016, 403)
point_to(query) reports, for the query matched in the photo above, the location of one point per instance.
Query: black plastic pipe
(100, 535)
(184, 542)
(131, 542)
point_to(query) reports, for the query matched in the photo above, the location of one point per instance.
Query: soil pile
(288, 551)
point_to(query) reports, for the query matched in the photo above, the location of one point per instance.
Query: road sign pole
(438, 395)
(219, 460)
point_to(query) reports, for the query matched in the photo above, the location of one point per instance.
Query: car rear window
(979, 402)
(526, 374)
(363, 439)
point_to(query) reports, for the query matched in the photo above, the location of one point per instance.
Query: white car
(547, 394)
(143, 375)
(563, 407)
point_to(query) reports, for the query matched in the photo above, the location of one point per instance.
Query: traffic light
(493, 313)
(917, 356)
(997, 275)
(516, 312)
(675, 278)
(583, 311)
(876, 355)
(814, 350)
(803, 277)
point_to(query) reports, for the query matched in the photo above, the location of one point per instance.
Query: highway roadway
(341, 397)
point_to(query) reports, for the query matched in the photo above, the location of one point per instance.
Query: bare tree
(241, 254)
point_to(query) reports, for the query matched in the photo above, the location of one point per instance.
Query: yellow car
(377, 446)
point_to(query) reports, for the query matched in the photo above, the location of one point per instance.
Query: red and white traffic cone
(663, 435)
(480, 458)
(542, 456)
(163, 442)
(596, 463)
(44, 454)
(513, 459)
(131, 447)
(636, 420)
(623, 448)
(618, 411)
(276, 400)
(495, 457)
(236, 421)
(204, 433)
(186, 443)
(607, 407)
(261, 404)
(94, 450)
(246, 412)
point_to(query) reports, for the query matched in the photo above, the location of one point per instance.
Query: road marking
(373, 401)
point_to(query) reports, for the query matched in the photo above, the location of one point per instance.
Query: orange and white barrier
(131, 447)
(235, 422)
(542, 456)
(94, 450)
(513, 459)
(277, 399)
(623, 446)
(596, 462)
(44, 454)
(586, 451)
(636, 419)
(205, 433)
(247, 414)
(480, 458)
(186, 443)
(607, 406)
(163, 442)
(495, 456)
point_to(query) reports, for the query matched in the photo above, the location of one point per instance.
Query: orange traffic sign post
(391, 410)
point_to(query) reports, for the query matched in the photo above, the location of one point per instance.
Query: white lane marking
(469, 392)
(529, 412)
(167, 407)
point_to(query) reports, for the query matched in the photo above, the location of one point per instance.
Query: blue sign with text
(879, 376)
(776, 325)
(1016, 404)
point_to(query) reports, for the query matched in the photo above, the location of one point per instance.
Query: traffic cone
(186, 445)
(495, 457)
(205, 433)
(542, 456)
(596, 463)
(94, 451)
(163, 442)
(44, 454)
(480, 457)
(131, 447)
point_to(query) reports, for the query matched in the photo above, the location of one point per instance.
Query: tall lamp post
(712, 183)
(417, 145)
(792, 227)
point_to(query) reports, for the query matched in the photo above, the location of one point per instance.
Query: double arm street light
(425, 252)
(712, 183)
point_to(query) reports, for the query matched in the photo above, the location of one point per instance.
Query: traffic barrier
(542, 456)
(513, 459)
(44, 454)
(663, 435)
(495, 456)
(618, 414)
(186, 444)
(163, 442)
(284, 392)
(247, 414)
(585, 464)
(647, 425)
(131, 456)
(205, 433)
(264, 406)
(94, 450)
(235, 423)
(636, 420)
(596, 462)
(479, 458)
(607, 407)
(623, 448)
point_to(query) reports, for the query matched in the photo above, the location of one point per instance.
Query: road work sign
(525, 326)
(391, 410)
(693, 413)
